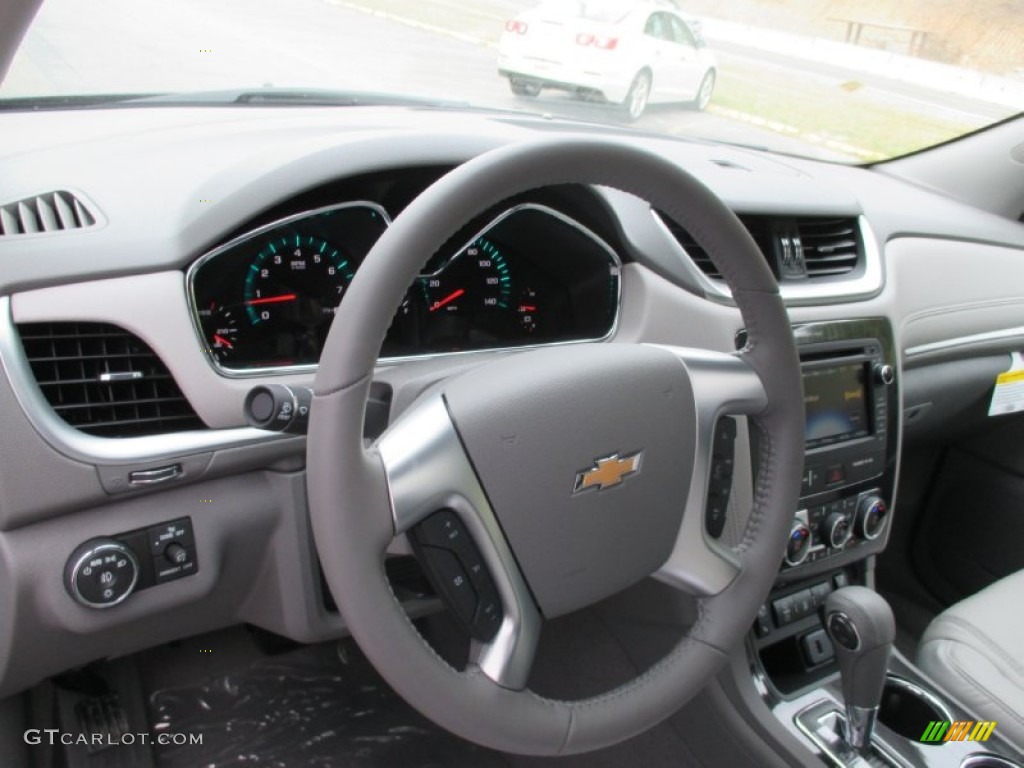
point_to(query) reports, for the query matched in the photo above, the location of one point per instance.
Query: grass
(844, 117)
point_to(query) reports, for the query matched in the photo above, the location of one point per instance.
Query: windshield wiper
(261, 97)
(305, 97)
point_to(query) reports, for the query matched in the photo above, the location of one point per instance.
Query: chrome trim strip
(828, 719)
(428, 470)
(947, 345)
(806, 292)
(103, 450)
(244, 373)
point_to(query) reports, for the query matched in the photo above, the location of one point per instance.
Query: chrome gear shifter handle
(861, 626)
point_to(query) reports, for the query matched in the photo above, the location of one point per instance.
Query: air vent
(831, 247)
(796, 249)
(758, 226)
(103, 380)
(52, 212)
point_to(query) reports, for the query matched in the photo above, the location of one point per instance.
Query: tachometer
(296, 279)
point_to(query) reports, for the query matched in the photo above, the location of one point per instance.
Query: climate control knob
(101, 573)
(837, 530)
(871, 516)
(799, 544)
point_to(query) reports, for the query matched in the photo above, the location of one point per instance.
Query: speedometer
(469, 298)
(476, 280)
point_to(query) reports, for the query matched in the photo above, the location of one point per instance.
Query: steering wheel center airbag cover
(535, 427)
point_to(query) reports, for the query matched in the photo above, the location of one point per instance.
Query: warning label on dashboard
(1008, 396)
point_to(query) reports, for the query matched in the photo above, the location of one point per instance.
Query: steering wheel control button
(101, 573)
(458, 572)
(720, 482)
(842, 631)
(453, 582)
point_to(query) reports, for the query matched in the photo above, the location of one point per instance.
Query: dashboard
(264, 302)
(223, 271)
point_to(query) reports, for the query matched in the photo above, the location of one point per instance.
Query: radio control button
(835, 474)
(885, 374)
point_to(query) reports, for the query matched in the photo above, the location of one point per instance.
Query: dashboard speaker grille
(105, 381)
(52, 212)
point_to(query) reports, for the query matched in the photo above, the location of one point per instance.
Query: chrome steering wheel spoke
(723, 385)
(428, 470)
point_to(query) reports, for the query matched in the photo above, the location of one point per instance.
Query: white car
(627, 53)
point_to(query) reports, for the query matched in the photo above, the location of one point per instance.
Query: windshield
(848, 81)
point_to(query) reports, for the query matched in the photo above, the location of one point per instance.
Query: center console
(842, 519)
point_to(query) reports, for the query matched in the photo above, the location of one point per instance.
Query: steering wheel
(506, 446)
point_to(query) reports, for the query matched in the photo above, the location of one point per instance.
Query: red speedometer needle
(447, 299)
(273, 299)
(223, 341)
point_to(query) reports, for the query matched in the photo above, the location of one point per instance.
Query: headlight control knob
(101, 573)
(871, 515)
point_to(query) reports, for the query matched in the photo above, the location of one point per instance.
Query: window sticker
(1008, 396)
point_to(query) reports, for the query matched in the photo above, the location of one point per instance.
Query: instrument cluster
(531, 275)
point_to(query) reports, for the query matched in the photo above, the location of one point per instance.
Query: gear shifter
(860, 623)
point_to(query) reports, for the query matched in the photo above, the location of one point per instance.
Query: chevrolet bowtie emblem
(608, 472)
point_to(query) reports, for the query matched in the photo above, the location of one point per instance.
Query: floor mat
(309, 707)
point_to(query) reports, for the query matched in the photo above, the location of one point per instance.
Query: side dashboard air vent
(831, 247)
(103, 380)
(52, 212)
(796, 249)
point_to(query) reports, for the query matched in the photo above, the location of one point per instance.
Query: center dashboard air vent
(105, 381)
(796, 248)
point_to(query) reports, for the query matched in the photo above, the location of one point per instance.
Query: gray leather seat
(975, 649)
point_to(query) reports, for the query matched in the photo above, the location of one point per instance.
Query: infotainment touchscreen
(835, 398)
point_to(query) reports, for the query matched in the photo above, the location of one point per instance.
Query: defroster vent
(103, 380)
(51, 212)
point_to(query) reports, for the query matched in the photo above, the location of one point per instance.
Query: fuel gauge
(220, 329)
(527, 310)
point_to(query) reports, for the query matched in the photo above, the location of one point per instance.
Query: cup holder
(907, 709)
(988, 761)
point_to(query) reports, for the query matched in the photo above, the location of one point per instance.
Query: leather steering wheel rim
(350, 497)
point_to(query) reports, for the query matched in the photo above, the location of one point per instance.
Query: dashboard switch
(101, 573)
